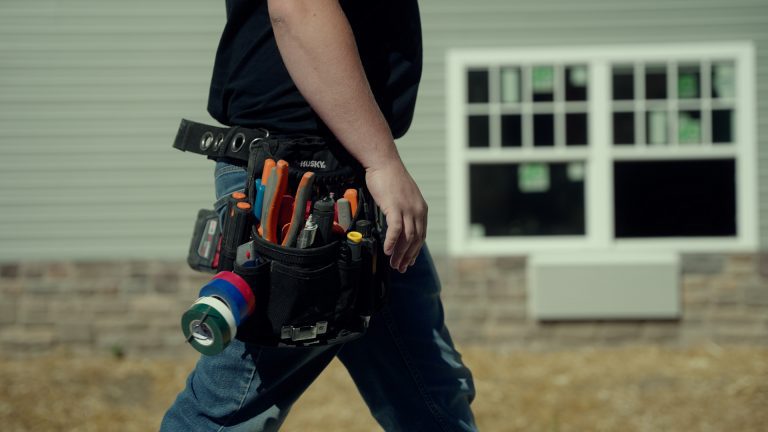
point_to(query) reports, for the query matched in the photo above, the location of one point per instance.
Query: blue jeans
(405, 367)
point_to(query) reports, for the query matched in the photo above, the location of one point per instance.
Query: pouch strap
(217, 142)
(330, 162)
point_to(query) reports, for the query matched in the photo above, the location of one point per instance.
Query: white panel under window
(603, 286)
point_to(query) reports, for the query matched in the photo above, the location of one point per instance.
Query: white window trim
(598, 188)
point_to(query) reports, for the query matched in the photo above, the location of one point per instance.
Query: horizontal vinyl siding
(524, 23)
(91, 93)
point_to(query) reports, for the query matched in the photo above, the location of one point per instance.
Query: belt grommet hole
(219, 141)
(206, 141)
(237, 142)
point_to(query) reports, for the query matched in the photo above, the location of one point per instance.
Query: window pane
(623, 128)
(723, 80)
(576, 83)
(656, 82)
(576, 129)
(656, 127)
(479, 129)
(510, 84)
(722, 126)
(543, 84)
(477, 86)
(623, 82)
(511, 130)
(543, 130)
(688, 81)
(532, 199)
(683, 198)
(689, 127)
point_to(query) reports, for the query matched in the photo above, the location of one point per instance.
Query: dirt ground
(641, 388)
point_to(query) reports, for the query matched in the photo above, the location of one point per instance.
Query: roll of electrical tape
(241, 285)
(223, 309)
(206, 329)
(228, 292)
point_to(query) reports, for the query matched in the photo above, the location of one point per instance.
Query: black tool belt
(307, 292)
(238, 145)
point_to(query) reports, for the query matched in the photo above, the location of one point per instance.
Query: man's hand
(399, 198)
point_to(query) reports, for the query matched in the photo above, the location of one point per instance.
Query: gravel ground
(640, 388)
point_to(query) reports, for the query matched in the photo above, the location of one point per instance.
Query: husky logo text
(312, 164)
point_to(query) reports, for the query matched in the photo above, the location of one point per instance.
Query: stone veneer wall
(134, 307)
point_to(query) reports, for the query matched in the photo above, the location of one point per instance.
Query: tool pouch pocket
(306, 297)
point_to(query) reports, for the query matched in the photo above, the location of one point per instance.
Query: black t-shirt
(251, 86)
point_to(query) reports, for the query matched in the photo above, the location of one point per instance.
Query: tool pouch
(304, 297)
(314, 296)
(318, 295)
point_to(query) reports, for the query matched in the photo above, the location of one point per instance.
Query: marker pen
(354, 239)
(363, 227)
(323, 213)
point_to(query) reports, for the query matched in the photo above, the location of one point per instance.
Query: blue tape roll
(230, 294)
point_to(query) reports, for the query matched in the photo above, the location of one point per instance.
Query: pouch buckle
(303, 333)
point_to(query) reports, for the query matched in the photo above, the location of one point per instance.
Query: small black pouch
(205, 246)
(307, 297)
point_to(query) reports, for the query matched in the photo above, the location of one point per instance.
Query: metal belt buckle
(303, 333)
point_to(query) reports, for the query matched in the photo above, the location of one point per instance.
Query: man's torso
(251, 86)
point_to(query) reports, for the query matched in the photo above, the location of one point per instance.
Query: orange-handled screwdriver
(351, 196)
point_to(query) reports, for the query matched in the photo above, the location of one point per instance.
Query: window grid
(674, 107)
(528, 109)
(701, 102)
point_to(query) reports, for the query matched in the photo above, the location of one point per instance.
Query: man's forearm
(319, 51)
(318, 48)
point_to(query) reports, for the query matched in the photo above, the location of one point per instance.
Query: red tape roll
(241, 286)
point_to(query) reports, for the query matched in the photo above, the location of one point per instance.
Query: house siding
(91, 95)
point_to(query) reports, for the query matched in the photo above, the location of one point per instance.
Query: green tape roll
(205, 327)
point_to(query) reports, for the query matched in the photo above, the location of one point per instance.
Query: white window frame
(599, 154)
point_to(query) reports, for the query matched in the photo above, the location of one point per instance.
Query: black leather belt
(217, 142)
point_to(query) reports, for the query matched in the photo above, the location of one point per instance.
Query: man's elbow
(285, 12)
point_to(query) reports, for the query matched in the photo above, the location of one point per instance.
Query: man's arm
(318, 48)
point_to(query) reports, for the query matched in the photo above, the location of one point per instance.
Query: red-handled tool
(303, 194)
(284, 216)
